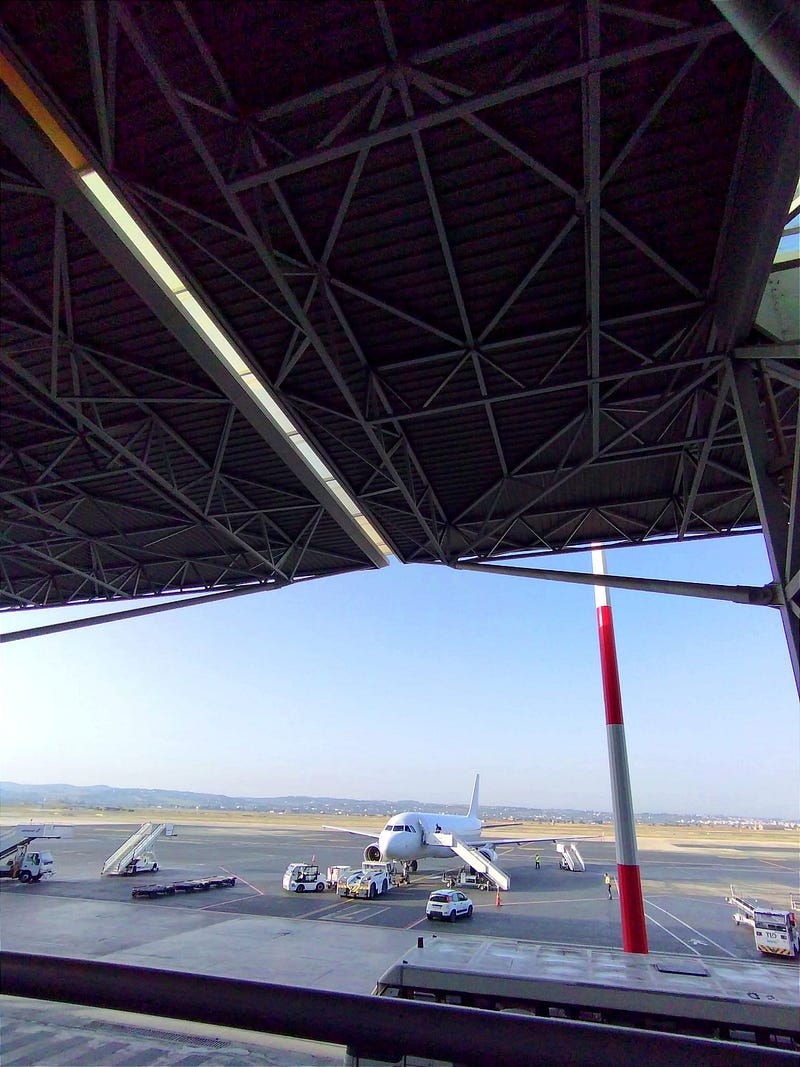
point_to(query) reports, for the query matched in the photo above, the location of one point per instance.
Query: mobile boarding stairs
(571, 859)
(15, 840)
(473, 857)
(134, 854)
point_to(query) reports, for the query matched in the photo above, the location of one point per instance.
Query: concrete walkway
(311, 954)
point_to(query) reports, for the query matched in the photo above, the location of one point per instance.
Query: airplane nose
(385, 845)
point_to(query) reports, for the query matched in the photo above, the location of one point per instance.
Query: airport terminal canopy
(288, 287)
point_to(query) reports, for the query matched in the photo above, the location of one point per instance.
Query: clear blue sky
(406, 682)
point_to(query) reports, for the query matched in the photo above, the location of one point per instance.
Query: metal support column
(783, 547)
(631, 904)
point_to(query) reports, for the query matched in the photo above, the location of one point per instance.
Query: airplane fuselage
(409, 835)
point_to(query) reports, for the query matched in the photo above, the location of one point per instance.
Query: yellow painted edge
(40, 115)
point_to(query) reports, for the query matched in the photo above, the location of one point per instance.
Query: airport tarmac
(257, 931)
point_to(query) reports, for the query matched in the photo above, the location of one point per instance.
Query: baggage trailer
(187, 885)
(775, 930)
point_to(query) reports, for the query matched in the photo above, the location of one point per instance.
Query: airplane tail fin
(473, 804)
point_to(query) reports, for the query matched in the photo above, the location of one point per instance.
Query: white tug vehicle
(370, 881)
(303, 878)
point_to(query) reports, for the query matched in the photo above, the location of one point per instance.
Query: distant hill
(105, 797)
(114, 798)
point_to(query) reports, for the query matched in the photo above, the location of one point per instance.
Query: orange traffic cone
(497, 903)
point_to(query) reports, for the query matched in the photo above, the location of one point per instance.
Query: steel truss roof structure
(497, 264)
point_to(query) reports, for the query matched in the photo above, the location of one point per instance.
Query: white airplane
(407, 836)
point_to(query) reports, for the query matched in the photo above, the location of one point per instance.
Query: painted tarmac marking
(688, 927)
(323, 909)
(355, 915)
(666, 931)
(256, 890)
(780, 866)
(219, 903)
(416, 922)
(515, 903)
(710, 866)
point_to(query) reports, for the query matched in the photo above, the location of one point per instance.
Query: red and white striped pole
(631, 904)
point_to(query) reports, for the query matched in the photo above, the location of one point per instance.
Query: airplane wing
(493, 842)
(373, 836)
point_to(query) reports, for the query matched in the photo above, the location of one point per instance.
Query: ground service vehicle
(466, 876)
(775, 930)
(724, 999)
(347, 876)
(372, 880)
(28, 866)
(448, 904)
(303, 878)
(16, 861)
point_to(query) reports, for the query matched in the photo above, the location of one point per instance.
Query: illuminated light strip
(135, 238)
(126, 227)
(140, 244)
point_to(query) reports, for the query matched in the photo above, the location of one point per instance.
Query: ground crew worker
(538, 864)
(607, 880)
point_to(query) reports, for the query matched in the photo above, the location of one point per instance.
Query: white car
(448, 904)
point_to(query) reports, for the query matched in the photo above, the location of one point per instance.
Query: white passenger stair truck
(303, 878)
(775, 930)
(136, 854)
(478, 861)
(571, 859)
(18, 861)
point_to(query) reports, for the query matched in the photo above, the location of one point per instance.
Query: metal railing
(367, 1026)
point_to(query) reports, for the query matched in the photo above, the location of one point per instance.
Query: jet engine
(372, 854)
(488, 854)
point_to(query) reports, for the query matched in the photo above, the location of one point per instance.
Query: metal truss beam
(758, 201)
(131, 613)
(482, 102)
(737, 594)
(546, 335)
(267, 258)
(156, 422)
(591, 120)
(53, 173)
(652, 370)
(162, 486)
(670, 399)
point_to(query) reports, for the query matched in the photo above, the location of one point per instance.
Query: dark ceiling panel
(478, 261)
